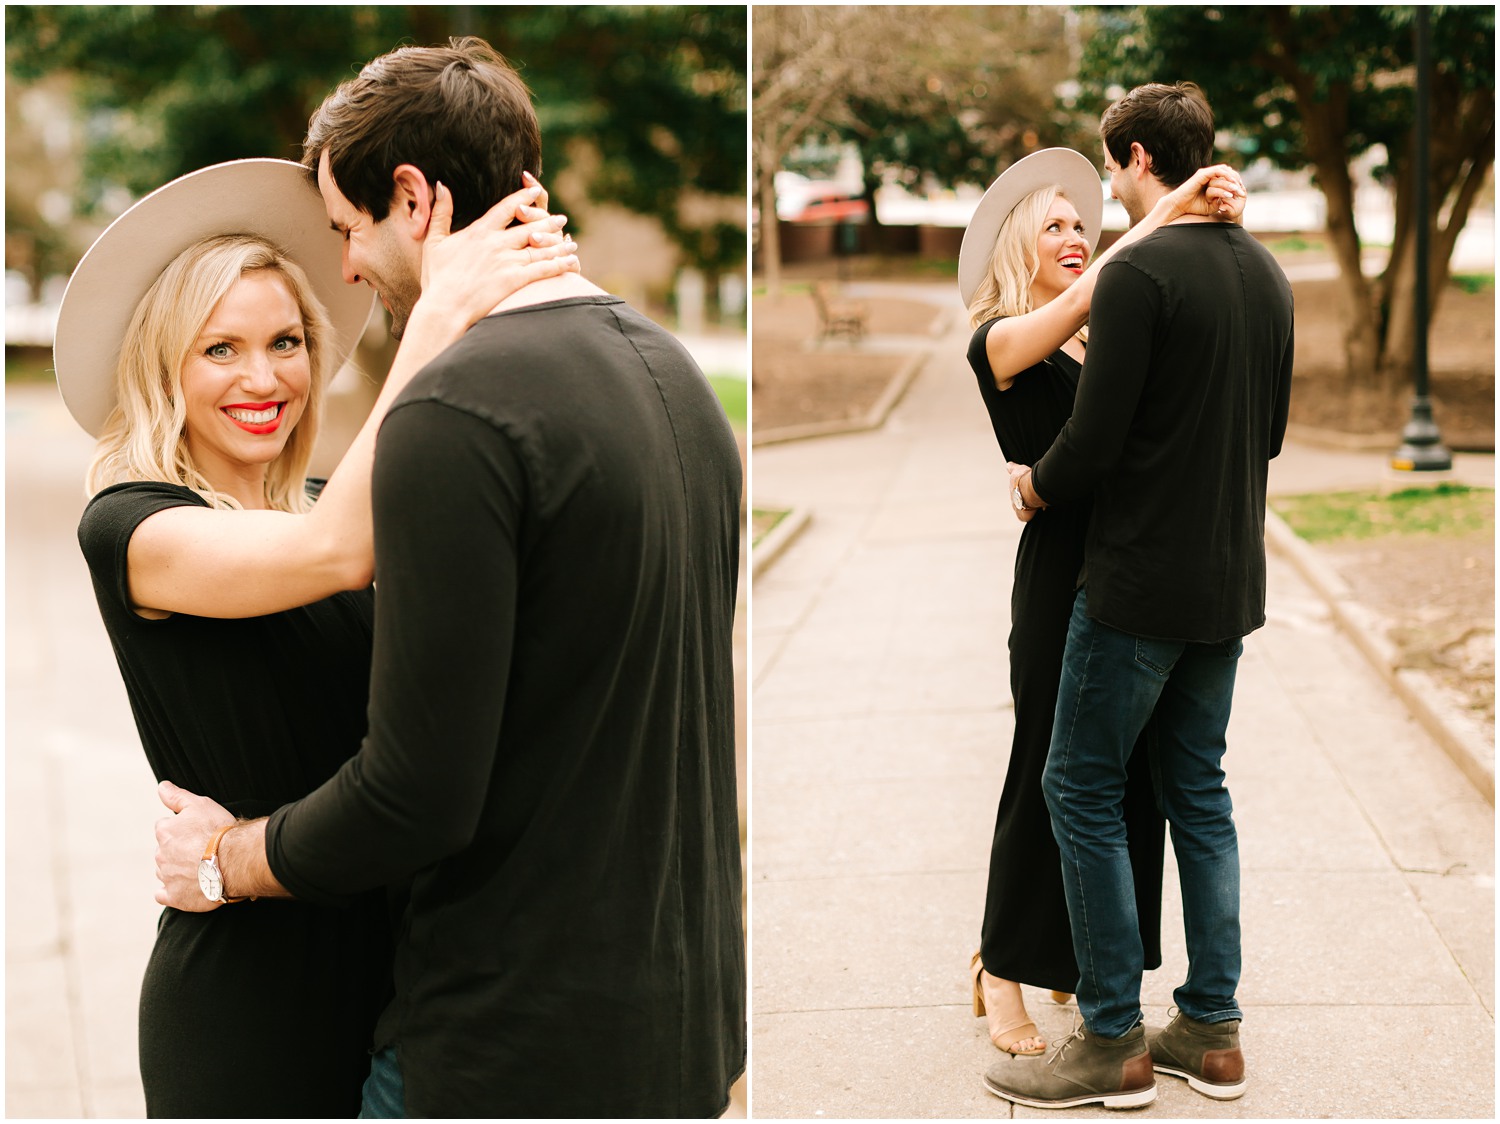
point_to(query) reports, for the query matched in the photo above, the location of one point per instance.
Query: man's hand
(181, 840)
(1020, 477)
(468, 273)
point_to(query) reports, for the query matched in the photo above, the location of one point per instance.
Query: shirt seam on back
(687, 514)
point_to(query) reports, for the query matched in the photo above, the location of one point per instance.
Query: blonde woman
(240, 610)
(1025, 278)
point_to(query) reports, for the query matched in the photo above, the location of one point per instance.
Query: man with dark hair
(549, 772)
(1181, 404)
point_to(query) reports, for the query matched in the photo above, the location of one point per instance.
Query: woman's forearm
(340, 523)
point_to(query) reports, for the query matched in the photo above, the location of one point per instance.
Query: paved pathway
(881, 718)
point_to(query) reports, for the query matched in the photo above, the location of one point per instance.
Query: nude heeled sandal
(1004, 1037)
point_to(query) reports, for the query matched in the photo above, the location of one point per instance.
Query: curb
(1452, 730)
(1462, 442)
(781, 536)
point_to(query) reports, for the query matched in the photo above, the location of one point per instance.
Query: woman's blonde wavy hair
(1006, 288)
(145, 438)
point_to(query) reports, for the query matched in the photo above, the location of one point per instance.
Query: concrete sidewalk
(881, 718)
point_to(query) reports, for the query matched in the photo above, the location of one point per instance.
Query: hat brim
(1072, 171)
(271, 199)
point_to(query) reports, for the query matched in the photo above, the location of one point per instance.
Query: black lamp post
(1422, 448)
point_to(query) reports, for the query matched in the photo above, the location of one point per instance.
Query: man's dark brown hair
(460, 113)
(1172, 123)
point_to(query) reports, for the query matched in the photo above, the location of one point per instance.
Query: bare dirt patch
(797, 379)
(1438, 595)
(1461, 359)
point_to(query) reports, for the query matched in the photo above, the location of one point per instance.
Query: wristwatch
(210, 877)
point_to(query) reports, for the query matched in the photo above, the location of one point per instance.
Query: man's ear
(1139, 153)
(411, 201)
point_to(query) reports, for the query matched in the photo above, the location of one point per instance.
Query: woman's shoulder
(115, 512)
(131, 495)
(979, 358)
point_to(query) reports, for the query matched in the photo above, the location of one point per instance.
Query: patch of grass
(788, 288)
(763, 521)
(1296, 244)
(1473, 282)
(915, 266)
(1447, 509)
(733, 392)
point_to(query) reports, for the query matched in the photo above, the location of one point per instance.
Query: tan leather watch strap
(212, 853)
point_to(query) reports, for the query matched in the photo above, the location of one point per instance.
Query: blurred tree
(659, 92)
(1319, 86)
(41, 173)
(985, 96)
(803, 65)
(954, 93)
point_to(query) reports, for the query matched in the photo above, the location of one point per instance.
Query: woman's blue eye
(288, 343)
(217, 351)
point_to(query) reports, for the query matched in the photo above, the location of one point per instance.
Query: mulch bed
(1461, 361)
(793, 384)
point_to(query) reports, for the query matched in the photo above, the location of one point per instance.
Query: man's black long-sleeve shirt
(1181, 405)
(550, 759)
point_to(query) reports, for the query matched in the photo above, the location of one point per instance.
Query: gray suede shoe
(1207, 1054)
(1081, 1069)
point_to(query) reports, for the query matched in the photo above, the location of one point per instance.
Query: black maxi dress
(1026, 935)
(265, 1008)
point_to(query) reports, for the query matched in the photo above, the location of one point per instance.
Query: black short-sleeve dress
(1026, 935)
(265, 1008)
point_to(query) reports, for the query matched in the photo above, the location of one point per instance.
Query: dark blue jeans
(384, 1091)
(1111, 683)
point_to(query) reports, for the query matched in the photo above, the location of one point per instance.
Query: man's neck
(1152, 196)
(550, 289)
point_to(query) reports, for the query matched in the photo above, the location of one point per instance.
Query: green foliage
(1473, 282)
(28, 364)
(659, 91)
(1353, 58)
(1445, 509)
(969, 107)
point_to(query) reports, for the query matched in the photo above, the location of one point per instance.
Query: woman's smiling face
(246, 380)
(1062, 251)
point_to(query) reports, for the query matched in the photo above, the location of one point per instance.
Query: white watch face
(209, 881)
(1015, 498)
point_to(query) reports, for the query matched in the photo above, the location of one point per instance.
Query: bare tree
(978, 79)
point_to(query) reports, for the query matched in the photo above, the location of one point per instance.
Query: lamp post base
(1422, 448)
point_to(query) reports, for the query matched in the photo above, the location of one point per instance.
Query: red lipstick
(259, 425)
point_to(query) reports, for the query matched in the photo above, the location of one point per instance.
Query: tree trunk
(1324, 111)
(1361, 326)
(770, 230)
(1401, 332)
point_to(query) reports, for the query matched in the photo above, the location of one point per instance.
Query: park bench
(837, 315)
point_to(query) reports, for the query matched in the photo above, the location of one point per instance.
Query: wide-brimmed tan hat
(271, 199)
(1072, 171)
